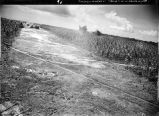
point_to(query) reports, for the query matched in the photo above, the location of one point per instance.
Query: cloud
(71, 16)
(119, 23)
(82, 16)
(56, 9)
(148, 32)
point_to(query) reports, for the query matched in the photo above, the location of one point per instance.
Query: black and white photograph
(79, 60)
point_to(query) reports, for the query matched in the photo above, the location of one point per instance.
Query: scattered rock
(94, 93)
(9, 109)
(2, 108)
(15, 67)
(30, 25)
(8, 104)
(35, 26)
(50, 74)
(53, 74)
(30, 70)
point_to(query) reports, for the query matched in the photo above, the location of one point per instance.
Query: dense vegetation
(9, 30)
(142, 54)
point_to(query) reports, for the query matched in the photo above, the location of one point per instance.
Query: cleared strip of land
(146, 105)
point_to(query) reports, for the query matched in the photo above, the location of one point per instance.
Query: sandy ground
(65, 80)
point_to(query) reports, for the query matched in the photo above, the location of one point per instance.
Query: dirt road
(66, 80)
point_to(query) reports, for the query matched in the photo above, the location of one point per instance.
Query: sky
(133, 21)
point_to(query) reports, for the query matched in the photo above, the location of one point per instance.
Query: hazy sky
(136, 21)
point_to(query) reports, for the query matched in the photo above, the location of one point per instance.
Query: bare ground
(49, 78)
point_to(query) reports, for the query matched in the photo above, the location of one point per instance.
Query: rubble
(10, 109)
(30, 25)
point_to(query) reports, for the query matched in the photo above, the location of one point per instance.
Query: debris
(15, 67)
(2, 108)
(53, 74)
(50, 74)
(9, 109)
(8, 104)
(30, 25)
(30, 70)
(95, 93)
